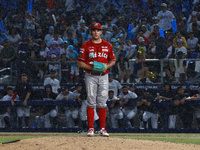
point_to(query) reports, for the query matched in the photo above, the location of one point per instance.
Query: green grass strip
(11, 138)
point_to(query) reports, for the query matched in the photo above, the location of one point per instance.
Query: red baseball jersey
(101, 52)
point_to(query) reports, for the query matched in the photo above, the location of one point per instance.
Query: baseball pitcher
(96, 57)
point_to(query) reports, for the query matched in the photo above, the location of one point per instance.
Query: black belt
(96, 74)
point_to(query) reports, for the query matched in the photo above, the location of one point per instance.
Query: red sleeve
(146, 40)
(14, 96)
(136, 40)
(194, 95)
(82, 53)
(111, 55)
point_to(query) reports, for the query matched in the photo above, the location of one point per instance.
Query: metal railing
(13, 69)
(51, 62)
(162, 63)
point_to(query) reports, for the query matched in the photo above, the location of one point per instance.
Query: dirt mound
(93, 143)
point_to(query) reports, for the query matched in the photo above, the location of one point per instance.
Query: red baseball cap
(96, 25)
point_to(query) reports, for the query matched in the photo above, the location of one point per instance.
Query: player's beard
(125, 93)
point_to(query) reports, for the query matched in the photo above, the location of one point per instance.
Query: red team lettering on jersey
(101, 52)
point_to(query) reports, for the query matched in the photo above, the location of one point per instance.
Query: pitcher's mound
(93, 143)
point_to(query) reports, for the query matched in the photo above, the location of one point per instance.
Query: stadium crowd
(54, 30)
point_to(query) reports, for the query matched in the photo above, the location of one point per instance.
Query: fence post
(161, 70)
(60, 71)
(11, 71)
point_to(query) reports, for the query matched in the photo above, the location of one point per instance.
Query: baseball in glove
(99, 67)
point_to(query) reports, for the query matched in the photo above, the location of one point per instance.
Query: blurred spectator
(81, 38)
(117, 32)
(49, 36)
(161, 49)
(70, 5)
(14, 37)
(56, 38)
(17, 22)
(116, 47)
(155, 33)
(73, 56)
(48, 114)
(155, 21)
(7, 116)
(115, 112)
(114, 85)
(23, 63)
(192, 23)
(83, 109)
(150, 112)
(71, 39)
(145, 31)
(42, 56)
(43, 51)
(106, 35)
(169, 35)
(78, 90)
(83, 26)
(182, 26)
(23, 89)
(170, 49)
(132, 88)
(165, 17)
(33, 49)
(104, 8)
(64, 50)
(7, 54)
(177, 37)
(51, 4)
(166, 95)
(65, 69)
(151, 52)
(74, 26)
(54, 49)
(53, 64)
(70, 112)
(123, 69)
(141, 46)
(129, 111)
(31, 24)
(197, 108)
(130, 50)
(112, 11)
(192, 45)
(180, 67)
(168, 76)
(180, 48)
(77, 95)
(39, 36)
(3, 36)
(140, 71)
(185, 112)
(141, 38)
(55, 83)
(109, 24)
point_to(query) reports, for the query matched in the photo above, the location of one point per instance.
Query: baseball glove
(99, 67)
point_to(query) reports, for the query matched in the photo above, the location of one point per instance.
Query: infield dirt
(94, 143)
